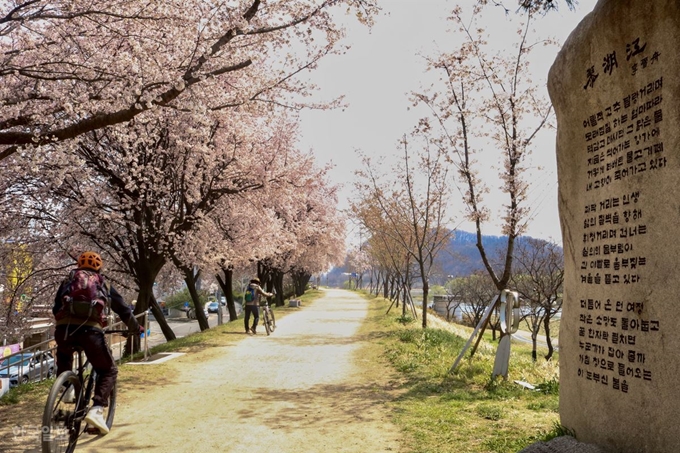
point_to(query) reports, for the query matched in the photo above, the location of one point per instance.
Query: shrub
(551, 387)
(178, 299)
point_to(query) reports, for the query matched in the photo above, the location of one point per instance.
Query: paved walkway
(301, 390)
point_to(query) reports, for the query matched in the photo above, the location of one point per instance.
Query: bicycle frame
(83, 398)
(268, 319)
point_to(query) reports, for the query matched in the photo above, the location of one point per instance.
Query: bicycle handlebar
(123, 332)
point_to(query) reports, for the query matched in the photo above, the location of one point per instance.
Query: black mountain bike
(268, 318)
(63, 421)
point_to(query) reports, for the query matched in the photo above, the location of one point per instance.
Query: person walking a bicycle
(80, 309)
(252, 298)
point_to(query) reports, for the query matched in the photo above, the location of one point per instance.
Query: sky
(384, 64)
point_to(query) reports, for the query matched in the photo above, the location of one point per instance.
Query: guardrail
(47, 362)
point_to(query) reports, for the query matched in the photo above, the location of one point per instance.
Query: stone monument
(615, 88)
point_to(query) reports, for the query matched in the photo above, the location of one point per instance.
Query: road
(525, 337)
(181, 327)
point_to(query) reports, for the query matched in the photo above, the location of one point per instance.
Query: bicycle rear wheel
(60, 428)
(109, 411)
(265, 316)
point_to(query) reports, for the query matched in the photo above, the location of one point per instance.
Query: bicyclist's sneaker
(70, 395)
(95, 417)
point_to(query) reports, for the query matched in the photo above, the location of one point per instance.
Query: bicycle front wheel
(265, 316)
(60, 429)
(111, 410)
(273, 319)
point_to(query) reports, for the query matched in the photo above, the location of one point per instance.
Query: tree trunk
(132, 344)
(271, 280)
(160, 319)
(534, 337)
(226, 285)
(143, 299)
(426, 290)
(277, 283)
(546, 327)
(190, 279)
(300, 280)
(146, 270)
(263, 273)
(495, 326)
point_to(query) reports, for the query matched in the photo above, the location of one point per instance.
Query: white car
(28, 366)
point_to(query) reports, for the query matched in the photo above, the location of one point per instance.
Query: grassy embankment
(464, 411)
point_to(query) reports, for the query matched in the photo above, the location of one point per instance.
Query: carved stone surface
(614, 86)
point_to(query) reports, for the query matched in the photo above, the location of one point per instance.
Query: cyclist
(252, 298)
(77, 332)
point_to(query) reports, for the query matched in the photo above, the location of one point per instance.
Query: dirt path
(301, 390)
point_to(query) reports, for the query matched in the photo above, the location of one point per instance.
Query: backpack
(250, 294)
(86, 297)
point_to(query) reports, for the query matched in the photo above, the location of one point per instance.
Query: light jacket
(259, 292)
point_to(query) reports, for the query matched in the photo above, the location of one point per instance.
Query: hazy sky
(386, 63)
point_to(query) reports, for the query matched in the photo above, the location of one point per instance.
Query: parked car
(27, 366)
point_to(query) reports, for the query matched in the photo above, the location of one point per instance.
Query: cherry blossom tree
(387, 251)
(142, 193)
(543, 6)
(413, 206)
(321, 230)
(311, 234)
(155, 96)
(243, 225)
(358, 262)
(486, 102)
(68, 68)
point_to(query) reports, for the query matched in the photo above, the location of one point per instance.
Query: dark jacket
(118, 306)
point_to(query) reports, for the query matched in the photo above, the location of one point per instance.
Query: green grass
(466, 411)
(22, 392)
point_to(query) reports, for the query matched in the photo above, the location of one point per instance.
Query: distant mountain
(459, 259)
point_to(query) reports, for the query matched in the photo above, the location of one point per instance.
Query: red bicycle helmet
(90, 260)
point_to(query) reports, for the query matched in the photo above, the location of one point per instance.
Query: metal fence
(38, 362)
